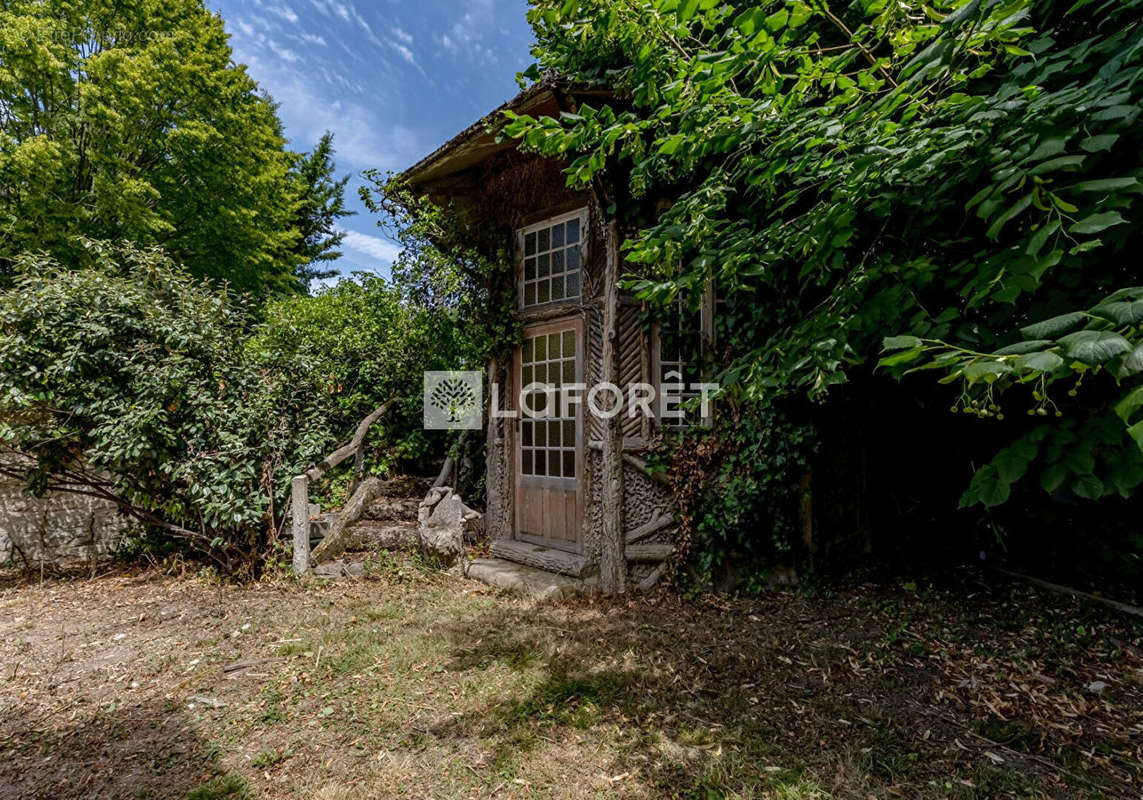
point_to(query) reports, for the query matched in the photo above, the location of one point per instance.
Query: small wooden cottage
(570, 494)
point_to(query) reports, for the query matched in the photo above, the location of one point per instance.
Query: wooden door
(549, 450)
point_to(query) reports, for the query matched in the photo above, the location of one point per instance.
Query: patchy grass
(412, 683)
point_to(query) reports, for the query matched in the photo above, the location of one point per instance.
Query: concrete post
(300, 511)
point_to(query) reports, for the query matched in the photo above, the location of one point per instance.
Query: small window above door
(552, 252)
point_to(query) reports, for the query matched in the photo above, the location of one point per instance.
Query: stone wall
(56, 527)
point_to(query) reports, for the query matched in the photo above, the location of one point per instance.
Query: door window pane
(548, 444)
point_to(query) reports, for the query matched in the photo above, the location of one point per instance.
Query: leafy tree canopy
(130, 121)
(952, 171)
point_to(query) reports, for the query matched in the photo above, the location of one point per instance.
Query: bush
(130, 380)
(366, 343)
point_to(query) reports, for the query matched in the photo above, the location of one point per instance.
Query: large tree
(131, 121)
(320, 204)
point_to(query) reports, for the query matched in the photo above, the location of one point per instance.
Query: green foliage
(130, 121)
(943, 172)
(129, 380)
(738, 491)
(320, 204)
(442, 267)
(1097, 354)
(366, 343)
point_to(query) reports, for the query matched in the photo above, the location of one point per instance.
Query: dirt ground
(412, 683)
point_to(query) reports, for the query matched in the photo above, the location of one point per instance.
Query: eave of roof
(478, 141)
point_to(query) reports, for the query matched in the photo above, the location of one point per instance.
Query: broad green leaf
(1020, 348)
(900, 342)
(800, 14)
(1053, 477)
(672, 144)
(1123, 312)
(1134, 362)
(776, 21)
(1136, 433)
(987, 371)
(901, 357)
(1088, 487)
(1098, 222)
(1094, 347)
(1054, 326)
(1096, 144)
(1012, 462)
(1125, 409)
(987, 487)
(1046, 361)
(1104, 185)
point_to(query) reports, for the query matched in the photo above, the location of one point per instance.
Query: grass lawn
(417, 684)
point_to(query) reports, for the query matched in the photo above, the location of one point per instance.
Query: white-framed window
(552, 254)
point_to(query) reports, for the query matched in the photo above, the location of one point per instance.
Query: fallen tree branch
(337, 540)
(1055, 587)
(354, 444)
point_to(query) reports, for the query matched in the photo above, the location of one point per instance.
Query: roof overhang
(446, 165)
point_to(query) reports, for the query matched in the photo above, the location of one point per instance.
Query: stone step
(546, 558)
(528, 581)
(370, 534)
(393, 509)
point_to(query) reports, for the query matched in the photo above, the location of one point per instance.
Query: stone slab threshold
(529, 581)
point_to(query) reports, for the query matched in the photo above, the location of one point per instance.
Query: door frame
(519, 481)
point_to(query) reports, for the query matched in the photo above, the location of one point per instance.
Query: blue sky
(393, 79)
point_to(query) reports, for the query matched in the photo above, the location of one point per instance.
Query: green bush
(130, 380)
(366, 343)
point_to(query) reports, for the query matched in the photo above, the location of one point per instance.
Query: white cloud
(283, 53)
(312, 38)
(372, 246)
(405, 52)
(332, 7)
(284, 12)
(466, 34)
(407, 38)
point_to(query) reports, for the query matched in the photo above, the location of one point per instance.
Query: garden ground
(414, 683)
